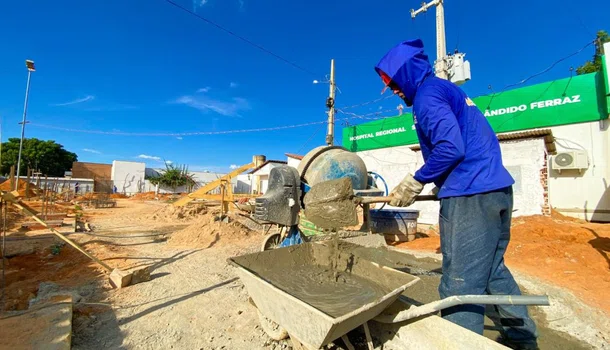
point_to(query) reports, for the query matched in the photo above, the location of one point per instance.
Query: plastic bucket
(396, 225)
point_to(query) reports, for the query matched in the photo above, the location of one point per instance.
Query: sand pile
(86, 197)
(149, 196)
(6, 186)
(207, 231)
(118, 196)
(173, 213)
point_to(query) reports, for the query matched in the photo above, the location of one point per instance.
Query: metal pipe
(417, 311)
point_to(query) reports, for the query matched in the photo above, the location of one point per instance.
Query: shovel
(332, 204)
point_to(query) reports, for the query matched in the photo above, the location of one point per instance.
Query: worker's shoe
(518, 345)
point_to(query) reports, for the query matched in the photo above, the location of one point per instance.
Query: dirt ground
(567, 252)
(194, 300)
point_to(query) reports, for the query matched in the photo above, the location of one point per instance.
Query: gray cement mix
(329, 204)
(329, 278)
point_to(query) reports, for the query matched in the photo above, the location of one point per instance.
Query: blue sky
(144, 66)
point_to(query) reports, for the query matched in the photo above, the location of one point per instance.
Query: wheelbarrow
(318, 292)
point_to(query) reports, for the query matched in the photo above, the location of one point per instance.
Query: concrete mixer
(282, 204)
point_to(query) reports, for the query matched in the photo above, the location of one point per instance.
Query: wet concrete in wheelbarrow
(327, 277)
(316, 285)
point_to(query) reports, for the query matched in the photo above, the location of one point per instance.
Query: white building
(128, 177)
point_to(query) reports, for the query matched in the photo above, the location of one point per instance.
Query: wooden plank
(9, 197)
(212, 185)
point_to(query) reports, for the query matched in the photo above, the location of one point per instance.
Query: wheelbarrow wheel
(273, 330)
(272, 241)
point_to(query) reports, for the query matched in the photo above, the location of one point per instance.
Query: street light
(30, 66)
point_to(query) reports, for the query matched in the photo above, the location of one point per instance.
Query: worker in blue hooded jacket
(462, 158)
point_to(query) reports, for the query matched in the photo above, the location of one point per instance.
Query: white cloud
(146, 156)
(179, 138)
(73, 102)
(91, 151)
(112, 108)
(233, 166)
(204, 89)
(229, 108)
(233, 85)
(201, 3)
(169, 162)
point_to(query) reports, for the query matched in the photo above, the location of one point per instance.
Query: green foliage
(48, 157)
(56, 248)
(595, 65)
(173, 177)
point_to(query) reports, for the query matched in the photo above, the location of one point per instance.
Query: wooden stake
(27, 184)
(12, 177)
(27, 210)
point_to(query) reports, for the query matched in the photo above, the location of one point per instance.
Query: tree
(173, 177)
(48, 157)
(595, 65)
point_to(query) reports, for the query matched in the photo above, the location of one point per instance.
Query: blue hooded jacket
(460, 149)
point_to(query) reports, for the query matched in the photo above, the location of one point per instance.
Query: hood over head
(407, 66)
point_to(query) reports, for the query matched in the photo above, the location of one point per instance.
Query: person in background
(462, 158)
(76, 187)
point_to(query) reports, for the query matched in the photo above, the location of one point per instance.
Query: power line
(368, 102)
(174, 134)
(368, 115)
(547, 69)
(249, 42)
(310, 137)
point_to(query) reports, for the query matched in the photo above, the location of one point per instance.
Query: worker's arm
(439, 125)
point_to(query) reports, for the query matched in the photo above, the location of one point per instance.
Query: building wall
(100, 173)
(293, 162)
(243, 184)
(62, 184)
(524, 159)
(260, 179)
(128, 177)
(583, 194)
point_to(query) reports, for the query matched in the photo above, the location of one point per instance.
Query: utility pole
(440, 66)
(30, 66)
(330, 103)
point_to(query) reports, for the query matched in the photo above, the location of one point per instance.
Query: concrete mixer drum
(333, 162)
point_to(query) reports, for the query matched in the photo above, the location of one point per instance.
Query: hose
(417, 311)
(385, 184)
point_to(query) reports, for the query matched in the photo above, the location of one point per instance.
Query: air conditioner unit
(571, 160)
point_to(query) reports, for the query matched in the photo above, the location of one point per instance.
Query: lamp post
(30, 66)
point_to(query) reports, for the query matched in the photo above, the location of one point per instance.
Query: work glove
(404, 194)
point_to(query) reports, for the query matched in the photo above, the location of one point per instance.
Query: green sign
(565, 101)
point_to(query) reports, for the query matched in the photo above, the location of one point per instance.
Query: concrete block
(120, 279)
(141, 275)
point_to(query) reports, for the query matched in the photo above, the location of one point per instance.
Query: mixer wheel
(273, 330)
(272, 241)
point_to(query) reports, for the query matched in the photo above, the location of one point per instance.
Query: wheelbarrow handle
(388, 199)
